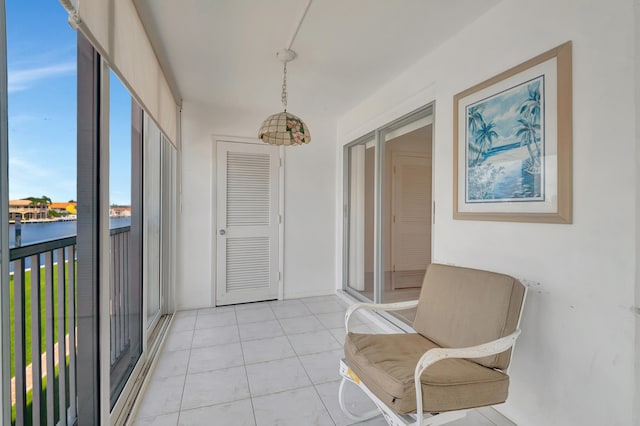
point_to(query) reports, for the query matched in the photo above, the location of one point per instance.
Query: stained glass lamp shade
(284, 128)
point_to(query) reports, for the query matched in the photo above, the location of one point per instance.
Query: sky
(42, 78)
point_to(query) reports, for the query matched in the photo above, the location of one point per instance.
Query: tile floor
(268, 363)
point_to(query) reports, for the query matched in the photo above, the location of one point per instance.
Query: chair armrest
(437, 354)
(398, 306)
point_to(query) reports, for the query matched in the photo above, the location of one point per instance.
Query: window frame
(5, 338)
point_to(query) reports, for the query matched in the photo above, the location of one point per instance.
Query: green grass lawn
(28, 341)
(43, 314)
(43, 400)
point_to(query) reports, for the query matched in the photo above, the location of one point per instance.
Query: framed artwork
(512, 143)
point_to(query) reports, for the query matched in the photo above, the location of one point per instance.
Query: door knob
(222, 232)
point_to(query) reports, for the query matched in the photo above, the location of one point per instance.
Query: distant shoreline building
(25, 210)
(64, 208)
(120, 211)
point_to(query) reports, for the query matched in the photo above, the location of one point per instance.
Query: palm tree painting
(505, 145)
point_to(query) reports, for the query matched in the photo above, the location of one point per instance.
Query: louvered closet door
(411, 219)
(248, 220)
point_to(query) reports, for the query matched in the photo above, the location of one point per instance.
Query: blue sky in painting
(503, 110)
(41, 56)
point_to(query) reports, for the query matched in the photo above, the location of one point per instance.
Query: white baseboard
(303, 294)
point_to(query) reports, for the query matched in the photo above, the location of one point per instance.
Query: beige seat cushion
(462, 307)
(386, 364)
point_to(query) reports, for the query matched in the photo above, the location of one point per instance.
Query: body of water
(39, 232)
(33, 233)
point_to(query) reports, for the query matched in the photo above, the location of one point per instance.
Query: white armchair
(466, 322)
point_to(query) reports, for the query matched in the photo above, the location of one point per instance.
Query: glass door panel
(152, 220)
(168, 217)
(125, 240)
(406, 206)
(361, 161)
(388, 212)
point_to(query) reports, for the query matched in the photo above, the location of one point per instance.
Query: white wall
(309, 258)
(575, 360)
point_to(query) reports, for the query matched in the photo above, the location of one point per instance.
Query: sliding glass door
(152, 218)
(125, 229)
(160, 170)
(125, 242)
(168, 203)
(406, 209)
(142, 204)
(388, 205)
(5, 306)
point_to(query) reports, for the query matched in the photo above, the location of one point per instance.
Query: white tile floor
(269, 363)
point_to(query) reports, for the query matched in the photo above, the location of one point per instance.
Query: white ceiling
(222, 52)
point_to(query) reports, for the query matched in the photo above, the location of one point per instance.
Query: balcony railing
(119, 296)
(43, 326)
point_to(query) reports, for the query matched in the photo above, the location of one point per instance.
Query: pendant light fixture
(284, 128)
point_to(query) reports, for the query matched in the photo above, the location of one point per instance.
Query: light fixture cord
(284, 88)
(295, 33)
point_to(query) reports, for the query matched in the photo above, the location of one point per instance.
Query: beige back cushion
(462, 307)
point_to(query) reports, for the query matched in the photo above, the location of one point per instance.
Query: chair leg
(355, 417)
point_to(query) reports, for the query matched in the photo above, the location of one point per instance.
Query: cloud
(23, 168)
(29, 179)
(24, 79)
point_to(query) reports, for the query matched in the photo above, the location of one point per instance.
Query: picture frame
(512, 147)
